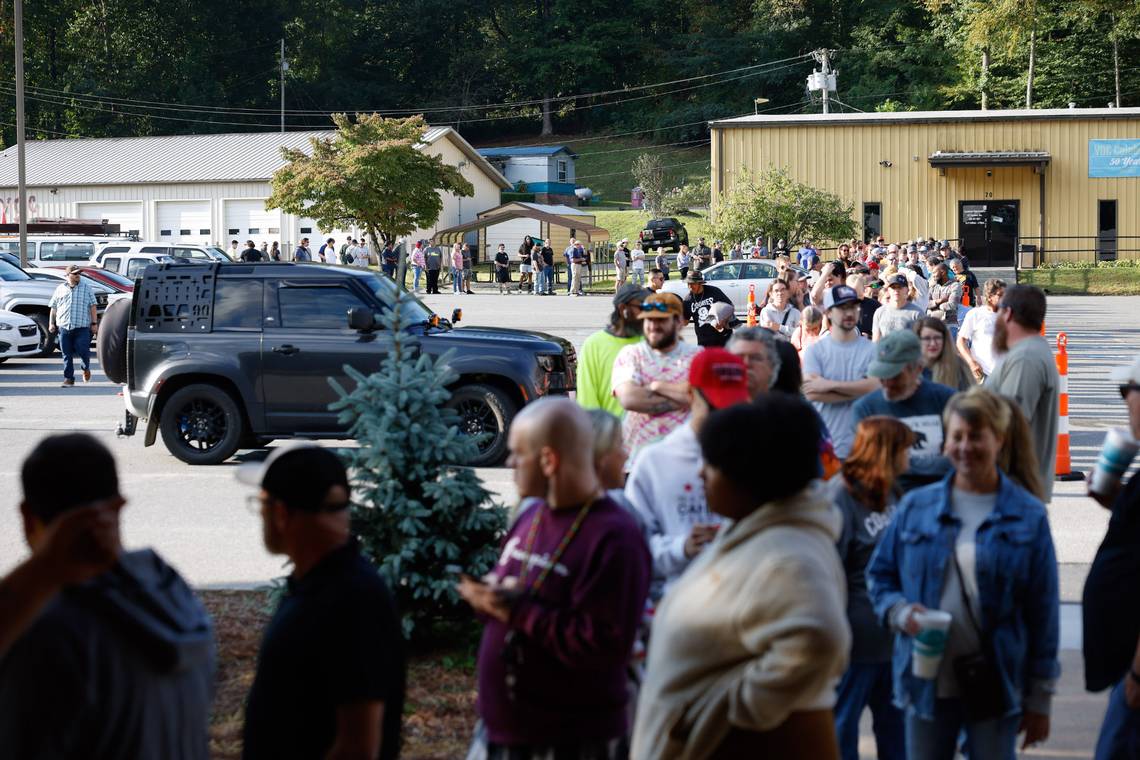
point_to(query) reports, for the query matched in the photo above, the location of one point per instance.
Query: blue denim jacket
(1017, 587)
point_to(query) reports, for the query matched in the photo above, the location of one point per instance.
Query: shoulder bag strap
(965, 596)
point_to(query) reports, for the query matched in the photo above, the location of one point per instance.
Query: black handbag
(980, 687)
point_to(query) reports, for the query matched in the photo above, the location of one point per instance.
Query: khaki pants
(620, 279)
(576, 272)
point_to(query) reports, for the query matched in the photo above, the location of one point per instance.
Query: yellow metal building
(1063, 182)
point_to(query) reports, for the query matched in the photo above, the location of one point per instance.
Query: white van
(131, 258)
(56, 250)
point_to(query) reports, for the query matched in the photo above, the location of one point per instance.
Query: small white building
(205, 188)
(547, 170)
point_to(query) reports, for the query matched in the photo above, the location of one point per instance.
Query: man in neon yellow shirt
(596, 360)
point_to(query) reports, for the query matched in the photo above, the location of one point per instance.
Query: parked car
(118, 257)
(131, 265)
(669, 234)
(105, 294)
(238, 355)
(56, 250)
(20, 293)
(734, 278)
(19, 336)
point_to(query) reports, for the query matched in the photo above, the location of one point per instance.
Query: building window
(234, 231)
(274, 230)
(183, 232)
(872, 221)
(203, 232)
(1106, 230)
(561, 171)
(307, 230)
(255, 230)
(162, 233)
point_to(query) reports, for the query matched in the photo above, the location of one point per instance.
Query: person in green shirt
(596, 359)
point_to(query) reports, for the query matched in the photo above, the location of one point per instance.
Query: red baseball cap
(720, 376)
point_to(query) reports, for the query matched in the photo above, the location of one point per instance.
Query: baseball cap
(720, 376)
(1129, 374)
(898, 280)
(299, 474)
(893, 352)
(694, 276)
(661, 306)
(629, 292)
(892, 248)
(839, 296)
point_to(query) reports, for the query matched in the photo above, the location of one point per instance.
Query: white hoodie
(666, 490)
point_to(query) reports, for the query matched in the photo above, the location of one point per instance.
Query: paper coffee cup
(1115, 457)
(929, 643)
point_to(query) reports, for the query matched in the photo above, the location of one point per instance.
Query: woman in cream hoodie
(748, 646)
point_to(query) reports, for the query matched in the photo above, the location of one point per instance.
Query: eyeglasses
(931, 339)
(1127, 388)
(658, 306)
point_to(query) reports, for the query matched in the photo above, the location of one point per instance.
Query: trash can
(1028, 257)
(636, 195)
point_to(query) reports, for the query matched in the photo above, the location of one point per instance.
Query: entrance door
(988, 232)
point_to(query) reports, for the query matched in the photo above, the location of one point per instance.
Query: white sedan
(733, 278)
(18, 335)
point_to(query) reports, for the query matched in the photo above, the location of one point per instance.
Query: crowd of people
(722, 549)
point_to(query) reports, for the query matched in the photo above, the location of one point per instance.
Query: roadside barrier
(1064, 468)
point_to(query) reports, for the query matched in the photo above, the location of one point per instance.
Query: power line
(668, 166)
(197, 108)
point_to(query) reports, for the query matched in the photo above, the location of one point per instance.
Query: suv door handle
(286, 349)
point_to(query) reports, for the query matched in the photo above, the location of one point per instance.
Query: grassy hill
(603, 162)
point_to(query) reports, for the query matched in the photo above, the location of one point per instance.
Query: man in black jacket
(250, 254)
(118, 666)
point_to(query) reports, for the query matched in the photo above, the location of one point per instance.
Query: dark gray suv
(217, 358)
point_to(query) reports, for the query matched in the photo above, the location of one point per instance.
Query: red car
(113, 280)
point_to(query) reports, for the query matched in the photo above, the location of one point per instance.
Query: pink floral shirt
(641, 365)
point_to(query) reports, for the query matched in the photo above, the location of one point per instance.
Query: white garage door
(128, 215)
(248, 220)
(184, 222)
(317, 235)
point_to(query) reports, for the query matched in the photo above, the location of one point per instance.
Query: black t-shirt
(547, 256)
(867, 309)
(1111, 615)
(698, 310)
(334, 640)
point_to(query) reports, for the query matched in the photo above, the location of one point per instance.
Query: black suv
(668, 234)
(218, 358)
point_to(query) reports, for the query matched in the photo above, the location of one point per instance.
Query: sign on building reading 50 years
(1114, 158)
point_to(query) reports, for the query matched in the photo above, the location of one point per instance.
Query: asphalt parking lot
(196, 516)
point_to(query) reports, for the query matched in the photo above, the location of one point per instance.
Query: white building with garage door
(205, 188)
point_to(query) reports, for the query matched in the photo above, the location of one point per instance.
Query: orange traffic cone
(966, 296)
(1064, 468)
(751, 305)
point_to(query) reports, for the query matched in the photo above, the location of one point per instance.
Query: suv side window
(113, 263)
(136, 266)
(190, 253)
(316, 307)
(237, 304)
(66, 251)
(155, 249)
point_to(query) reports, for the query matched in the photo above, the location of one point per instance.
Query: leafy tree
(649, 173)
(779, 206)
(689, 195)
(369, 173)
(418, 512)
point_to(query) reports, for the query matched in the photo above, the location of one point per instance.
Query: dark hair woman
(753, 673)
(863, 494)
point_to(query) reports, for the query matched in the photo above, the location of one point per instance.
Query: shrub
(417, 512)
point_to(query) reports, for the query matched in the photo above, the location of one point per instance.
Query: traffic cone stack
(751, 305)
(1064, 468)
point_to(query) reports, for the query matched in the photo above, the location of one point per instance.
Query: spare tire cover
(111, 346)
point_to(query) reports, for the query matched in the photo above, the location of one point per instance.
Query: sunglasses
(662, 307)
(1127, 388)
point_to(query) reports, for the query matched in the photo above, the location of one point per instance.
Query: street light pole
(284, 68)
(20, 164)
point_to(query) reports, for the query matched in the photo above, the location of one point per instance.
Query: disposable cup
(929, 643)
(1115, 457)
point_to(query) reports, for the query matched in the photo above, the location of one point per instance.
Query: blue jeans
(1120, 734)
(389, 270)
(456, 280)
(868, 685)
(548, 278)
(938, 739)
(73, 343)
(416, 272)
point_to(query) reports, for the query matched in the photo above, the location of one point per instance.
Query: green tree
(417, 511)
(775, 204)
(649, 174)
(369, 173)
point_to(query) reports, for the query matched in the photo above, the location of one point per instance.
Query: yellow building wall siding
(918, 200)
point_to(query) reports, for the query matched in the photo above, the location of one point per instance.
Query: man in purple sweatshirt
(563, 604)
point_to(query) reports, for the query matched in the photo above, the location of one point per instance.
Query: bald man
(563, 604)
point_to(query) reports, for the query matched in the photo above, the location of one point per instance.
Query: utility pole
(826, 70)
(822, 80)
(22, 179)
(284, 68)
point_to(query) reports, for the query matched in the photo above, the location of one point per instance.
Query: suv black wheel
(201, 424)
(47, 339)
(484, 409)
